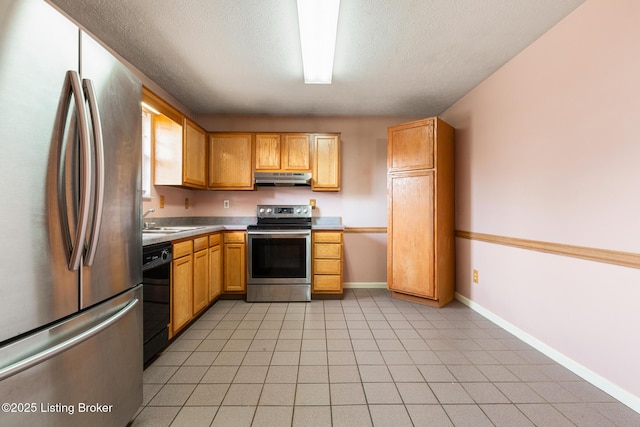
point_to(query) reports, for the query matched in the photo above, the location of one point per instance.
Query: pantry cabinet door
(411, 232)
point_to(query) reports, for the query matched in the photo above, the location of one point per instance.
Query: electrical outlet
(161, 202)
(186, 203)
(475, 276)
(226, 204)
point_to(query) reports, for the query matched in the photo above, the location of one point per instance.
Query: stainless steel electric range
(279, 254)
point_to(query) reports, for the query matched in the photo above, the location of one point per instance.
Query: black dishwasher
(156, 281)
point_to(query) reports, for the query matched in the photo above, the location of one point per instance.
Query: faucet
(147, 224)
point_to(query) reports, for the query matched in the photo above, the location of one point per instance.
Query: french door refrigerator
(70, 299)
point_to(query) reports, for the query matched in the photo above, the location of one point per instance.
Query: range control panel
(284, 211)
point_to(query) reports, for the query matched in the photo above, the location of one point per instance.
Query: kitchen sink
(170, 229)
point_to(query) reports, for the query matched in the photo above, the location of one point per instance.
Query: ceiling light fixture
(318, 21)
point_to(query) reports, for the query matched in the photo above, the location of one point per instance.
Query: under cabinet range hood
(282, 179)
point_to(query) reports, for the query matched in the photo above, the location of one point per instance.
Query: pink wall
(548, 149)
(361, 202)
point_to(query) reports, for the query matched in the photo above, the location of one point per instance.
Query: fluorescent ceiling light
(318, 21)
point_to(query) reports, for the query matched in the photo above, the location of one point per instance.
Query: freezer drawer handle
(42, 356)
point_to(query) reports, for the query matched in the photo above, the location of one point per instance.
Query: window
(146, 154)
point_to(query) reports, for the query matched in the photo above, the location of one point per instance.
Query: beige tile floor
(365, 360)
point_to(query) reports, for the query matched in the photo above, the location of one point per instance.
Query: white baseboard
(602, 383)
(362, 285)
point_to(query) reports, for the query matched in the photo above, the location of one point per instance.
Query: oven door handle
(280, 233)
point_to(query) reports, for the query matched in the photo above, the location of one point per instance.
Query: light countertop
(153, 238)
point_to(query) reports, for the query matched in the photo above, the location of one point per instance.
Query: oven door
(279, 257)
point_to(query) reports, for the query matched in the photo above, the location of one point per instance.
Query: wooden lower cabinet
(196, 278)
(235, 262)
(200, 274)
(215, 266)
(327, 262)
(181, 285)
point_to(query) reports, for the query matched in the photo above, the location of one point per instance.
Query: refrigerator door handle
(98, 140)
(33, 360)
(77, 248)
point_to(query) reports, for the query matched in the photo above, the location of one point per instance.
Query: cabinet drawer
(214, 239)
(183, 248)
(200, 243)
(327, 266)
(327, 283)
(327, 237)
(324, 250)
(235, 237)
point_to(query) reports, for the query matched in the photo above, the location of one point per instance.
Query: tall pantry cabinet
(420, 191)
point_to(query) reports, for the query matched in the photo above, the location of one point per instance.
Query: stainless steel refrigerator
(70, 269)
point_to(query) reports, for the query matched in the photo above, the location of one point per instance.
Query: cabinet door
(230, 162)
(411, 231)
(181, 292)
(295, 153)
(215, 272)
(410, 146)
(167, 139)
(234, 267)
(194, 158)
(326, 163)
(267, 152)
(200, 280)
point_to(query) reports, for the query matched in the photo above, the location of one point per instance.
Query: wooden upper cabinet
(179, 145)
(167, 143)
(411, 146)
(267, 152)
(282, 152)
(295, 153)
(230, 161)
(194, 159)
(326, 162)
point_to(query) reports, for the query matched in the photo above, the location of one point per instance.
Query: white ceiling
(393, 57)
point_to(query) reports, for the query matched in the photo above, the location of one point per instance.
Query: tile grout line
(385, 307)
